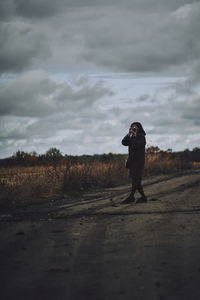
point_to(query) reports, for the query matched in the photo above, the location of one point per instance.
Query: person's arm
(126, 139)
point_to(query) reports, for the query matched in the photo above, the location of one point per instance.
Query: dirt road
(95, 248)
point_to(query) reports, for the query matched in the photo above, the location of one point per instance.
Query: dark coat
(136, 151)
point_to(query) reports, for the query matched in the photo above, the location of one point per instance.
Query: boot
(142, 199)
(129, 199)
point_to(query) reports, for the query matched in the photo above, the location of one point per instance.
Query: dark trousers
(137, 185)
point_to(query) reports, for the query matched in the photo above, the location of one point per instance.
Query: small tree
(53, 156)
(169, 150)
(53, 152)
(152, 150)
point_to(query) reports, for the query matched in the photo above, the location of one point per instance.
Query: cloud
(38, 112)
(72, 132)
(143, 97)
(37, 9)
(21, 43)
(31, 9)
(131, 36)
(87, 37)
(158, 41)
(96, 129)
(185, 100)
(35, 94)
(190, 108)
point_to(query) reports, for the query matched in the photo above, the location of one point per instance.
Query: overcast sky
(76, 73)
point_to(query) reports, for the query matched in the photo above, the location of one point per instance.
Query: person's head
(138, 127)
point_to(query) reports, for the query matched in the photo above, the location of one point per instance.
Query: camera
(134, 129)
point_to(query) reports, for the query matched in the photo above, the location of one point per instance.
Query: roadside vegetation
(28, 178)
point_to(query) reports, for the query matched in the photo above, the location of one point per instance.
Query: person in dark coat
(135, 140)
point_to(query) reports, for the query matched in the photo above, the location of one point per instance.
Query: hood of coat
(139, 125)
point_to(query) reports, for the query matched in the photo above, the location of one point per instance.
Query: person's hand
(131, 130)
(135, 133)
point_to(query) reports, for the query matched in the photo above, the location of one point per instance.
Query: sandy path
(95, 248)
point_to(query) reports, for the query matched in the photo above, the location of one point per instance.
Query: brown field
(29, 185)
(22, 185)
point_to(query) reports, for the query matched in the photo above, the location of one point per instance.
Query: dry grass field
(22, 185)
(29, 185)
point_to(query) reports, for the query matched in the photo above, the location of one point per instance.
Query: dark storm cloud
(154, 37)
(20, 44)
(29, 9)
(6, 9)
(157, 41)
(134, 36)
(35, 94)
(37, 8)
(142, 98)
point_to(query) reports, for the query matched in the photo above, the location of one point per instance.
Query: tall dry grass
(97, 174)
(164, 163)
(22, 185)
(26, 185)
(19, 185)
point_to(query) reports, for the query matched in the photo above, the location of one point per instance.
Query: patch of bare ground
(95, 248)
